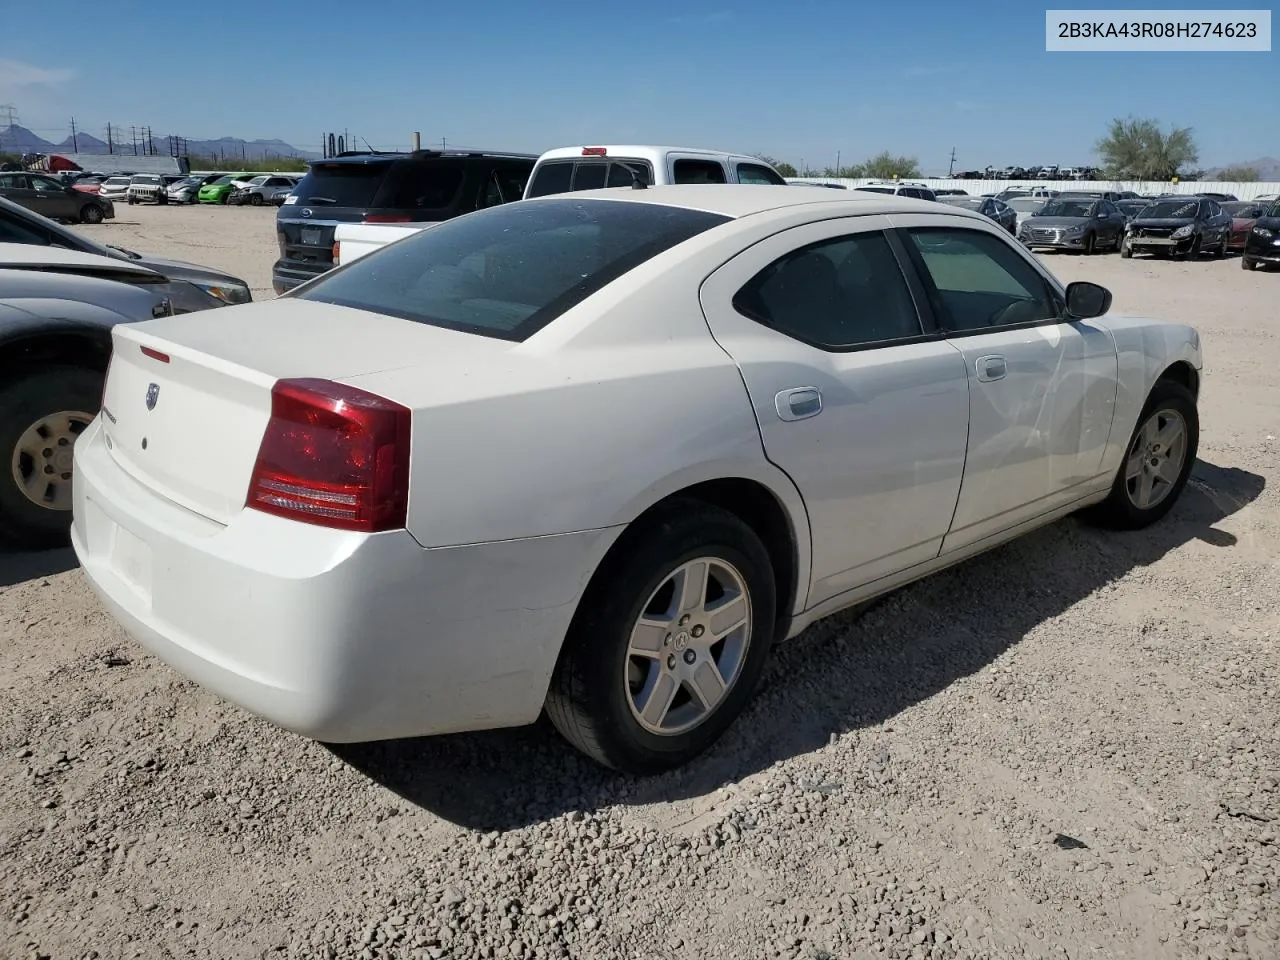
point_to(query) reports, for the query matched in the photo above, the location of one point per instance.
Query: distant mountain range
(18, 139)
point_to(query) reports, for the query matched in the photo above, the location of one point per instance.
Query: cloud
(15, 75)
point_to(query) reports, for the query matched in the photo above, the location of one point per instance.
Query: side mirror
(1086, 300)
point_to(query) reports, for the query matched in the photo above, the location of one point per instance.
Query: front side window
(508, 271)
(976, 281)
(836, 294)
(45, 185)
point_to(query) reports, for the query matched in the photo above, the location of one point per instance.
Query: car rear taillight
(333, 456)
(336, 252)
(595, 151)
(386, 218)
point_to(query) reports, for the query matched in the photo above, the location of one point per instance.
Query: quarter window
(758, 173)
(836, 294)
(698, 171)
(976, 281)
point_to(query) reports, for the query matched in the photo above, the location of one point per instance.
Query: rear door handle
(991, 368)
(798, 403)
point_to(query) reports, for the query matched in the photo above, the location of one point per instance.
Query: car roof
(28, 255)
(645, 151)
(738, 200)
(387, 157)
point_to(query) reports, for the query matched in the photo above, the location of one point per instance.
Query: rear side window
(508, 271)
(758, 173)
(342, 184)
(874, 189)
(697, 171)
(430, 185)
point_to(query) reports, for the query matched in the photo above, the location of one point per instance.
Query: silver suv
(900, 188)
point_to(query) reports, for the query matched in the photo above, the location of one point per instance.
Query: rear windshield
(508, 271)
(342, 184)
(874, 189)
(592, 173)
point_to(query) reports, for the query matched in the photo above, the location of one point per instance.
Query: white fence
(1244, 191)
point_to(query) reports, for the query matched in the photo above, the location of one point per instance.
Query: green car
(220, 189)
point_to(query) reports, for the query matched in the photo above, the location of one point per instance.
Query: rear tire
(52, 406)
(1090, 244)
(1247, 264)
(1150, 474)
(255, 199)
(91, 213)
(600, 693)
(1126, 251)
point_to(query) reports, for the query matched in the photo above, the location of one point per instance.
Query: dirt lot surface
(1066, 748)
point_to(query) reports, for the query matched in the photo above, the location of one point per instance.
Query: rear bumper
(338, 636)
(286, 274)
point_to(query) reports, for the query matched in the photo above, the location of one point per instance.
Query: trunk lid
(189, 427)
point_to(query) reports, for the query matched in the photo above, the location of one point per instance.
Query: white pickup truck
(566, 169)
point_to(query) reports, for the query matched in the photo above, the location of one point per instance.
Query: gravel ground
(1066, 748)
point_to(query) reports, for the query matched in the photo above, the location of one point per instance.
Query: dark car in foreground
(54, 199)
(192, 287)
(55, 341)
(1079, 223)
(1263, 244)
(425, 186)
(1178, 227)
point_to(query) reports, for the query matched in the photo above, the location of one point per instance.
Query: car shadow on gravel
(17, 566)
(852, 670)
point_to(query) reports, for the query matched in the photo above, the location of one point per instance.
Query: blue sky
(798, 81)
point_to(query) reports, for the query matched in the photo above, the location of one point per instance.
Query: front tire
(40, 417)
(1157, 462)
(1126, 251)
(255, 200)
(1247, 264)
(669, 641)
(91, 213)
(1090, 244)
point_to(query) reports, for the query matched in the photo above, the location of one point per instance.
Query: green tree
(784, 168)
(1137, 149)
(885, 166)
(1240, 175)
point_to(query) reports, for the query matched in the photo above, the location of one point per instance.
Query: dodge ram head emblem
(153, 394)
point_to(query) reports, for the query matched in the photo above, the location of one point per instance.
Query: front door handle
(798, 403)
(991, 368)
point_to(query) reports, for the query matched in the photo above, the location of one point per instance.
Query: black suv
(423, 186)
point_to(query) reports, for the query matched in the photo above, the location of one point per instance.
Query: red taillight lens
(333, 456)
(385, 218)
(337, 251)
(594, 151)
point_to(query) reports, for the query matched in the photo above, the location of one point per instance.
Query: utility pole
(133, 138)
(75, 143)
(952, 169)
(837, 163)
(444, 143)
(151, 146)
(111, 144)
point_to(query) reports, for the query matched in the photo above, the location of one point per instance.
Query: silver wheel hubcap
(1155, 459)
(688, 647)
(42, 458)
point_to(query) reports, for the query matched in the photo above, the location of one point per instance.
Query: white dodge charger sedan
(596, 453)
